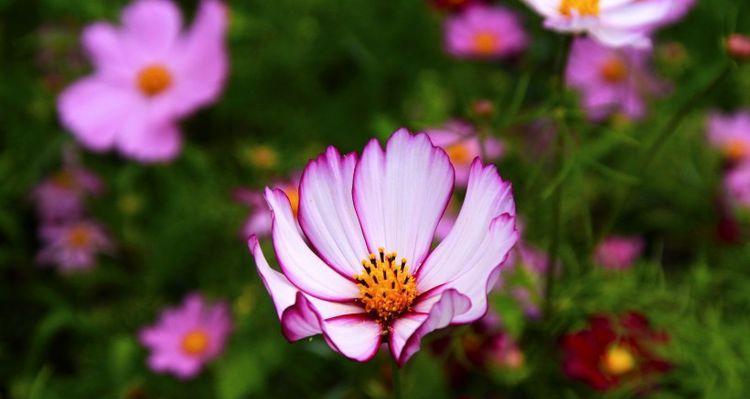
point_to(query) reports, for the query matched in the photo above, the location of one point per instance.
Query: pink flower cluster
(484, 32)
(730, 134)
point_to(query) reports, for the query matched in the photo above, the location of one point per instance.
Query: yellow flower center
(736, 149)
(64, 179)
(195, 343)
(579, 7)
(292, 192)
(614, 70)
(79, 237)
(154, 79)
(386, 287)
(618, 360)
(459, 154)
(486, 43)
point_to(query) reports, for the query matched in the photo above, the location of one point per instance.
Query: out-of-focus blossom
(737, 185)
(617, 252)
(485, 32)
(731, 135)
(483, 108)
(462, 144)
(258, 222)
(454, 5)
(185, 338)
(611, 80)
(73, 245)
(148, 74)
(738, 46)
(261, 156)
(373, 276)
(503, 351)
(61, 196)
(615, 23)
(613, 351)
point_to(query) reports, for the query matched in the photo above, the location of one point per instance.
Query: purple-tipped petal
(443, 312)
(326, 211)
(282, 292)
(301, 320)
(400, 195)
(354, 336)
(300, 264)
(152, 25)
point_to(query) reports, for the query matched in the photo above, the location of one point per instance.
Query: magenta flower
(258, 222)
(618, 252)
(371, 277)
(611, 80)
(731, 135)
(484, 32)
(148, 74)
(60, 197)
(613, 23)
(73, 245)
(461, 143)
(186, 338)
(737, 185)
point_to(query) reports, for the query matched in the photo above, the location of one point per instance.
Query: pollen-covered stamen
(154, 79)
(579, 7)
(386, 287)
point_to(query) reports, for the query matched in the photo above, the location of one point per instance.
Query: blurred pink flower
(354, 291)
(73, 245)
(187, 337)
(60, 197)
(258, 222)
(484, 32)
(503, 351)
(462, 144)
(731, 135)
(615, 23)
(737, 185)
(618, 252)
(148, 74)
(611, 80)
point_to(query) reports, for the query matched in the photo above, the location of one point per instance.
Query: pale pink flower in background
(484, 32)
(503, 351)
(731, 134)
(258, 222)
(73, 245)
(618, 252)
(148, 75)
(372, 277)
(613, 23)
(737, 185)
(185, 338)
(462, 144)
(611, 80)
(61, 196)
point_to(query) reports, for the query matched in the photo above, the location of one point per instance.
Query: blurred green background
(310, 73)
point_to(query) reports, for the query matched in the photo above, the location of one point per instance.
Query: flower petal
(95, 111)
(621, 37)
(103, 45)
(442, 313)
(636, 14)
(150, 139)
(152, 25)
(354, 336)
(400, 195)
(326, 211)
(300, 264)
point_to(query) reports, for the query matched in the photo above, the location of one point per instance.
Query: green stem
(396, 380)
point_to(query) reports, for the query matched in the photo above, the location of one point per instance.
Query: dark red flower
(453, 5)
(614, 351)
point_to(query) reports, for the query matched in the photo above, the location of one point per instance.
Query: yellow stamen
(459, 154)
(736, 149)
(386, 287)
(486, 43)
(79, 236)
(618, 360)
(195, 343)
(154, 79)
(579, 7)
(292, 192)
(614, 70)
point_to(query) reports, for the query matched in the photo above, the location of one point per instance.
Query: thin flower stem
(663, 135)
(396, 380)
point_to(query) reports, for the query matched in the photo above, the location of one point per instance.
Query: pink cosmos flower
(611, 80)
(258, 222)
(461, 143)
(613, 23)
(73, 245)
(737, 185)
(60, 197)
(371, 277)
(484, 32)
(148, 74)
(731, 135)
(618, 252)
(187, 337)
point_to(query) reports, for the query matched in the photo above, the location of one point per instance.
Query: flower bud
(738, 47)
